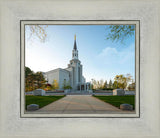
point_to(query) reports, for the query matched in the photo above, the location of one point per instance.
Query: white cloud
(108, 51)
(111, 55)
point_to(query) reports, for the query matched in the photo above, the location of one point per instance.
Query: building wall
(52, 75)
(83, 80)
(76, 73)
(72, 74)
(81, 73)
(70, 69)
(58, 74)
(63, 75)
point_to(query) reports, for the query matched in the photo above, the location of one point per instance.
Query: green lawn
(40, 100)
(117, 100)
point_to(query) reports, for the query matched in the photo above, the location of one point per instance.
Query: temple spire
(75, 45)
(75, 51)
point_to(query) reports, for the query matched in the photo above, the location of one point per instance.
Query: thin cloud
(111, 55)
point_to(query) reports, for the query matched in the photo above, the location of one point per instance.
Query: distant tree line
(101, 84)
(120, 81)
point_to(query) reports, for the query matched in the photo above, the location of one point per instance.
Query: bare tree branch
(120, 32)
(37, 31)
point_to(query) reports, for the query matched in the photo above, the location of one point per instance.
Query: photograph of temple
(80, 69)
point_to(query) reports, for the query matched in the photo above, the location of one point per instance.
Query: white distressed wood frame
(13, 126)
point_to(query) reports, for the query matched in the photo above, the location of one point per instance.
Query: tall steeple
(75, 45)
(75, 51)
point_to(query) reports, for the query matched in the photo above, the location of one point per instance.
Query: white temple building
(73, 74)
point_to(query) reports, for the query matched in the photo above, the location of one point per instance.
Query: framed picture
(84, 95)
(16, 119)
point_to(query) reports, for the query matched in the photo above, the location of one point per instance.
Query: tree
(29, 79)
(98, 85)
(94, 83)
(38, 31)
(120, 32)
(39, 79)
(129, 78)
(101, 84)
(105, 85)
(55, 85)
(66, 85)
(33, 80)
(131, 86)
(91, 86)
(115, 85)
(29, 82)
(27, 71)
(122, 80)
(110, 84)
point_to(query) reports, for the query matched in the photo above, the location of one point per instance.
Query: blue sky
(101, 58)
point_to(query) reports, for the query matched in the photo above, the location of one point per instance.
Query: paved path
(80, 104)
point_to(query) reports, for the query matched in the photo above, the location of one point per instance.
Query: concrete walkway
(80, 104)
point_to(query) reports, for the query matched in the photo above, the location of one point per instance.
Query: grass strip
(118, 100)
(40, 100)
